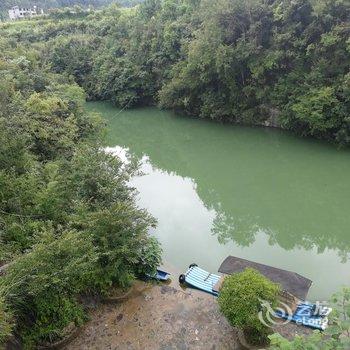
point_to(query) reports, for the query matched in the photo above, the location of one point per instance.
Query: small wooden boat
(290, 282)
(200, 279)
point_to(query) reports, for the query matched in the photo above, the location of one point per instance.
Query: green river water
(259, 194)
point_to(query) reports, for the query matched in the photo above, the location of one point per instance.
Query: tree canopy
(254, 62)
(69, 223)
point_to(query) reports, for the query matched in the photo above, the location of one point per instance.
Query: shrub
(150, 257)
(51, 317)
(240, 301)
(120, 234)
(40, 287)
(65, 265)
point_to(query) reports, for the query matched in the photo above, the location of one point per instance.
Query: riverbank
(160, 316)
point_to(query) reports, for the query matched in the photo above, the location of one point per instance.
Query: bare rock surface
(164, 317)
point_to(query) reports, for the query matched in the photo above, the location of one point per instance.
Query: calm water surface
(259, 194)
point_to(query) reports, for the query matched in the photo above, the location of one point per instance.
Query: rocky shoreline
(160, 316)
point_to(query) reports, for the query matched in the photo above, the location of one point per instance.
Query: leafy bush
(150, 257)
(65, 264)
(120, 236)
(51, 318)
(314, 341)
(40, 286)
(240, 301)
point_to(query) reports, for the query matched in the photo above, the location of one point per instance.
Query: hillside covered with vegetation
(69, 224)
(278, 63)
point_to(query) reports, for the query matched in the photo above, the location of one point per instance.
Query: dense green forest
(274, 63)
(69, 224)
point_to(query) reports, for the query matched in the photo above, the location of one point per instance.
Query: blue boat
(309, 315)
(161, 275)
(200, 279)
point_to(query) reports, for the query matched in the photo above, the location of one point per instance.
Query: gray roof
(290, 281)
